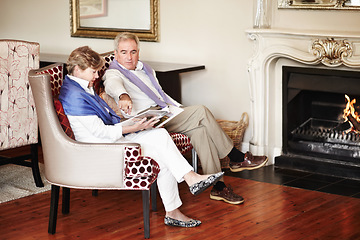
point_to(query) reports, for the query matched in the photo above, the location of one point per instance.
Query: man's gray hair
(123, 36)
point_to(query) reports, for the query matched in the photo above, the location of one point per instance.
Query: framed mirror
(320, 4)
(106, 18)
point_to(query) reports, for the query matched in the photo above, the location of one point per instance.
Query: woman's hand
(146, 124)
(141, 125)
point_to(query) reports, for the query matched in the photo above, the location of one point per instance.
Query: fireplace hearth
(315, 136)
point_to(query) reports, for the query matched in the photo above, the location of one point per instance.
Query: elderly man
(134, 86)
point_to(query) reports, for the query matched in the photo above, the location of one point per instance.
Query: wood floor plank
(267, 216)
(269, 212)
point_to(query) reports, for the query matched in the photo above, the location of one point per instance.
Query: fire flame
(350, 111)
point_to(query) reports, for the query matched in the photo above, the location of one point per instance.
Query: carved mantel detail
(332, 53)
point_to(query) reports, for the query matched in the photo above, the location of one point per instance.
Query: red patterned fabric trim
(140, 171)
(64, 121)
(56, 74)
(182, 142)
(108, 59)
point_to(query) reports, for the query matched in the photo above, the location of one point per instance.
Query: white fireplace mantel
(274, 48)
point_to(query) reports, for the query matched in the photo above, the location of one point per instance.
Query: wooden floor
(270, 212)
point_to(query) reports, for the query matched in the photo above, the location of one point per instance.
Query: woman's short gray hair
(123, 36)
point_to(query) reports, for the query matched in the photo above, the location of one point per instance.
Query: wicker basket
(235, 129)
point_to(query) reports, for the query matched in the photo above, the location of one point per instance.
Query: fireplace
(298, 82)
(315, 136)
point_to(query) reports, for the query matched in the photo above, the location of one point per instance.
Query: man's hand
(125, 103)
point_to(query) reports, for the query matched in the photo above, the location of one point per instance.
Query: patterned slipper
(178, 223)
(201, 186)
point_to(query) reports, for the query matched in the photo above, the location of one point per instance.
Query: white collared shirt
(91, 128)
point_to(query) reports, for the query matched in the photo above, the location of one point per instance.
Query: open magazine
(163, 114)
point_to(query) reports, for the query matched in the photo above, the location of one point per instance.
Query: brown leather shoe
(226, 195)
(250, 163)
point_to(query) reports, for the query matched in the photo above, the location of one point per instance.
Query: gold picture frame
(107, 30)
(320, 4)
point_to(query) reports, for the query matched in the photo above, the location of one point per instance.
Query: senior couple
(134, 87)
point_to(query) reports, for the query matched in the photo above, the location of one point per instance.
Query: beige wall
(205, 32)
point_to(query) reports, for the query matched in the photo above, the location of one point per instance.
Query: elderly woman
(92, 120)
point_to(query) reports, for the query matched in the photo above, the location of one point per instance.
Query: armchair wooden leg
(194, 159)
(146, 212)
(66, 200)
(53, 208)
(95, 192)
(153, 193)
(35, 165)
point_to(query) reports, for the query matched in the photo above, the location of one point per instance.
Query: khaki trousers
(209, 140)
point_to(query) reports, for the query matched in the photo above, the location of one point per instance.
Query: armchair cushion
(56, 78)
(64, 121)
(181, 141)
(108, 58)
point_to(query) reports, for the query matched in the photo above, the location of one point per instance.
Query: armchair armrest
(140, 171)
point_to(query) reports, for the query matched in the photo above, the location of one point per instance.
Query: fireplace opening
(316, 138)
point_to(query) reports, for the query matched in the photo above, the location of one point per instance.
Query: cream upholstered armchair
(18, 119)
(71, 164)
